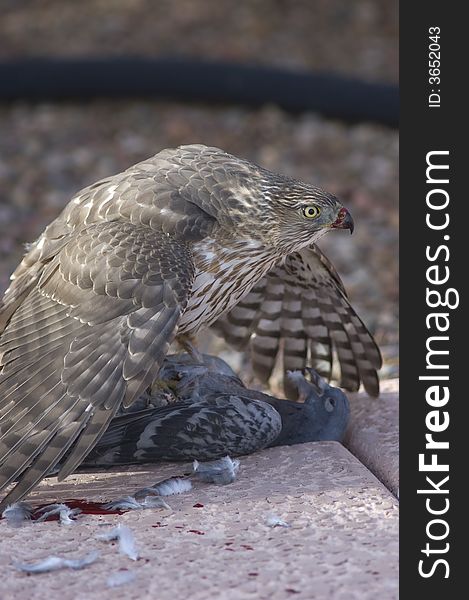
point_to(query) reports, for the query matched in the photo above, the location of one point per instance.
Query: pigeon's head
(328, 409)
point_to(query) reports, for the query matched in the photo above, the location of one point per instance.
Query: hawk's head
(281, 212)
(297, 214)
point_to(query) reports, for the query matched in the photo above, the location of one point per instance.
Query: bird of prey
(207, 413)
(151, 255)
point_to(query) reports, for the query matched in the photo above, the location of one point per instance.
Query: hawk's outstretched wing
(88, 335)
(301, 309)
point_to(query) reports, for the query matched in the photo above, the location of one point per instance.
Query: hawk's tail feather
(266, 329)
(300, 309)
(295, 342)
(317, 332)
(243, 318)
(334, 315)
(364, 351)
(321, 357)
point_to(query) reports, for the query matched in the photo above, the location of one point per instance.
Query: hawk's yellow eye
(311, 212)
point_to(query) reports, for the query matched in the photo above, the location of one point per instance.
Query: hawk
(188, 238)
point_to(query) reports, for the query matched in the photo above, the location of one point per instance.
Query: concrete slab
(342, 542)
(373, 433)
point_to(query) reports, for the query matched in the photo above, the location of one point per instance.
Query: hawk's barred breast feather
(170, 245)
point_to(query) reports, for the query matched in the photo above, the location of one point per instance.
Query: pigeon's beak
(344, 220)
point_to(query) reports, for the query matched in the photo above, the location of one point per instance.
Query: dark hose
(333, 95)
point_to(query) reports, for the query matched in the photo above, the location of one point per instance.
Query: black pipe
(333, 95)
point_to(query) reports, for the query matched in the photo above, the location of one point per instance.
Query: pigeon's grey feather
(217, 415)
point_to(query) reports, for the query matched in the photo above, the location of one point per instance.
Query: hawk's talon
(187, 343)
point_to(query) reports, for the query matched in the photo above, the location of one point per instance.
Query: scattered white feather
(110, 536)
(120, 578)
(50, 510)
(17, 514)
(154, 502)
(127, 543)
(54, 563)
(66, 515)
(220, 472)
(171, 486)
(145, 501)
(126, 503)
(126, 540)
(274, 521)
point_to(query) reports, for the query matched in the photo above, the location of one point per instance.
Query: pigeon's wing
(85, 335)
(211, 428)
(301, 310)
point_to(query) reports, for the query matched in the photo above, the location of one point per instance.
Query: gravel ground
(358, 37)
(49, 151)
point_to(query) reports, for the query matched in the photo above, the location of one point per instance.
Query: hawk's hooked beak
(344, 220)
